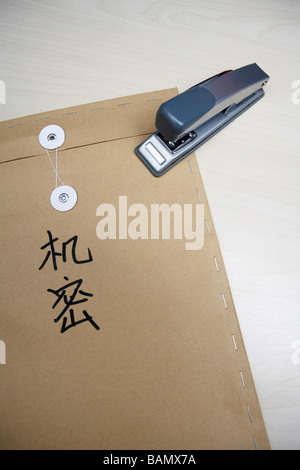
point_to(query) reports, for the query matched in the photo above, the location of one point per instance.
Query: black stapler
(189, 119)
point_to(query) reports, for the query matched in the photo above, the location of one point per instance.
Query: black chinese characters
(71, 293)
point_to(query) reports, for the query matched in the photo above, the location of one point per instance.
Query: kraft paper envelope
(116, 343)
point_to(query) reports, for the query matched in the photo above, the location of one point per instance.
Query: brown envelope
(115, 343)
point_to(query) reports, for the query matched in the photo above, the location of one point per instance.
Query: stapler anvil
(189, 119)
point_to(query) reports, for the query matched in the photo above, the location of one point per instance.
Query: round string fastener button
(63, 198)
(52, 137)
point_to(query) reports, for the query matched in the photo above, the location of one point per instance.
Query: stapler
(189, 119)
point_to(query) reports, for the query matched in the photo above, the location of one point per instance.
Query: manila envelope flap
(118, 334)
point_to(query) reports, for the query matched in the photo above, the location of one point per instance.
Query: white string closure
(63, 198)
(55, 168)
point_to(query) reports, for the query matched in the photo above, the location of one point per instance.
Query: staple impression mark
(242, 379)
(216, 263)
(198, 194)
(249, 413)
(224, 300)
(15, 125)
(41, 119)
(234, 342)
(207, 226)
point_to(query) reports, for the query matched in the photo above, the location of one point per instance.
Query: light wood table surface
(69, 52)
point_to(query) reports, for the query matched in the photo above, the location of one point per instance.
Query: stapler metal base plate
(158, 157)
